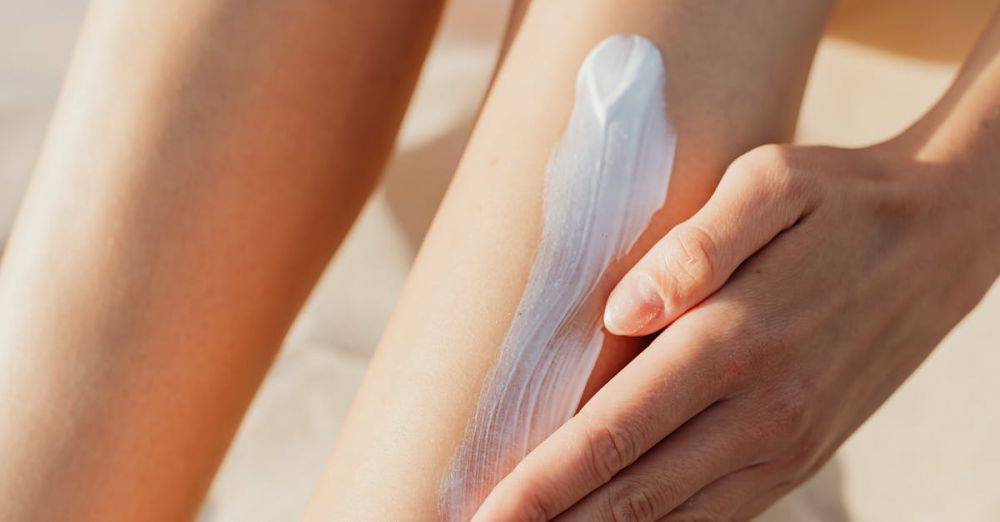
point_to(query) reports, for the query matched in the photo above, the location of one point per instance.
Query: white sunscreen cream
(605, 180)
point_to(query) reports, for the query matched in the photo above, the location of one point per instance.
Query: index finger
(667, 384)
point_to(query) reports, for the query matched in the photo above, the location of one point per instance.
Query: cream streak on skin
(605, 180)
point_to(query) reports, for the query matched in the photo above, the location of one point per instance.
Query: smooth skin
(814, 281)
(205, 160)
(424, 381)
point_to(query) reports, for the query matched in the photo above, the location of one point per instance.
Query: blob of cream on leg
(605, 180)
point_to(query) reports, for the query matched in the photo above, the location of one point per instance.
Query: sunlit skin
(813, 282)
(205, 160)
(424, 380)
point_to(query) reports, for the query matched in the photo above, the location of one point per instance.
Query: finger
(699, 453)
(663, 387)
(725, 498)
(759, 197)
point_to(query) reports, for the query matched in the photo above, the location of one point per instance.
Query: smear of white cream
(605, 180)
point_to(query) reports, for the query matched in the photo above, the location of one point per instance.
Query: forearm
(734, 76)
(205, 159)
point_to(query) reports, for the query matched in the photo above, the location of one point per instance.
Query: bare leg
(735, 73)
(206, 159)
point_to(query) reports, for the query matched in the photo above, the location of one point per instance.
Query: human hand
(795, 302)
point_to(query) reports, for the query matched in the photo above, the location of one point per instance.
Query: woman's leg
(205, 160)
(734, 73)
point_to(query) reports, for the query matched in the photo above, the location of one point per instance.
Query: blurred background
(930, 453)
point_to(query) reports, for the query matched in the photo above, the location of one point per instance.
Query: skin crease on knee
(604, 182)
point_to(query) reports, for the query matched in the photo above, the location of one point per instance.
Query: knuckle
(744, 349)
(778, 422)
(691, 262)
(761, 159)
(775, 167)
(632, 502)
(790, 414)
(610, 450)
(787, 180)
(737, 363)
(796, 185)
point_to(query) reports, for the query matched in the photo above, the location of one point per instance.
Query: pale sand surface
(929, 454)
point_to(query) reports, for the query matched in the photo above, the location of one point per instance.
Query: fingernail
(633, 306)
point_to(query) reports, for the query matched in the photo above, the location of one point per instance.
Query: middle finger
(706, 448)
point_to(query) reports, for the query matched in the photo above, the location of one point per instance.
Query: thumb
(759, 197)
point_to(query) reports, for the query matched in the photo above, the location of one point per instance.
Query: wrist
(969, 169)
(957, 186)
